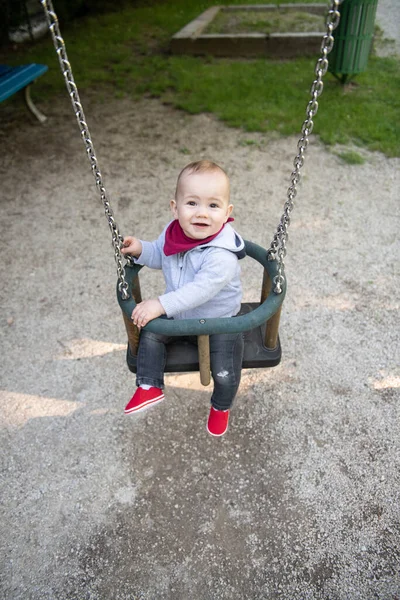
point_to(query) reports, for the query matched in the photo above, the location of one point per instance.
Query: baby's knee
(225, 377)
(153, 337)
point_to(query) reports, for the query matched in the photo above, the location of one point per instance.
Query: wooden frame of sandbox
(192, 40)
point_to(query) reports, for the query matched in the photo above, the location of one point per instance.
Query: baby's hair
(199, 166)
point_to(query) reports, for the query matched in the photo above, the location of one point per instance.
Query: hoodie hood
(228, 239)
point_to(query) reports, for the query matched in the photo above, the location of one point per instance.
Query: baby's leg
(226, 356)
(150, 372)
(151, 359)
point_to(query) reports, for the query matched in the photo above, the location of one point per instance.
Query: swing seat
(182, 355)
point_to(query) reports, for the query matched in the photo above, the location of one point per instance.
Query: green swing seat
(182, 355)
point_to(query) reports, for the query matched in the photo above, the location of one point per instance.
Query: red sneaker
(217, 422)
(142, 399)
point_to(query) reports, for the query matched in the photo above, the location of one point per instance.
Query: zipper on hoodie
(180, 265)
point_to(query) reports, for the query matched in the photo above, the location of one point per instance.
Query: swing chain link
(277, 249)
(59, 45)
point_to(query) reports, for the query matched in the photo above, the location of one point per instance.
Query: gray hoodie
(203, 282)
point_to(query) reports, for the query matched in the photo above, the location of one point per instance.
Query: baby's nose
(202, 210)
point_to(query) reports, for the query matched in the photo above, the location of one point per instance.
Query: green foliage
(69, 9)
(126, 53)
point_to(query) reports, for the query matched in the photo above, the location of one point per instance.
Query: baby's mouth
(200, 224)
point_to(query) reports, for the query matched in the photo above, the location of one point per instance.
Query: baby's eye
(213, 205)
(191, 203)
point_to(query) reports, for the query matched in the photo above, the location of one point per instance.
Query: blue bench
(14, 79)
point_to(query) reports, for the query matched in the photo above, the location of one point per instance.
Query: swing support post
(272, 325)
(132, 331)
(203, 345)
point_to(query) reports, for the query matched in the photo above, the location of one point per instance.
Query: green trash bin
(353, 38)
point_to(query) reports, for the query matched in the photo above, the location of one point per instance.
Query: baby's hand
(132, 246)
(146, 311)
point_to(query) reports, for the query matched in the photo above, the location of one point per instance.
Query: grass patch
(250, 21)
(352, 158)
(248, 142)
(126, 53)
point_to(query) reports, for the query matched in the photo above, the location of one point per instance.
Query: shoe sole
(145, 405)
(217, 434)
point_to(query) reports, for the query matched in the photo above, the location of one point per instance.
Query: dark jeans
(226, 356)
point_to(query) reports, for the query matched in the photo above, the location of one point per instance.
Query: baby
(199, 254)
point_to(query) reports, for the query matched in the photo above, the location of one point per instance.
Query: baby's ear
(172, 205)
(229, 211)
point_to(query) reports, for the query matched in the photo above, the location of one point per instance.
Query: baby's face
(202, 205)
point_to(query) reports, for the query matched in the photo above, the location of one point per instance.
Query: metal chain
(277, 249)
(59, 45)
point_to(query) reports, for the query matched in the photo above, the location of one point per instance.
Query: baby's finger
(137, 323)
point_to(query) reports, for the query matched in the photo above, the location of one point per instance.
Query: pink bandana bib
(177, 241)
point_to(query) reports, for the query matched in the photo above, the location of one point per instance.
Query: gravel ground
(300, 500)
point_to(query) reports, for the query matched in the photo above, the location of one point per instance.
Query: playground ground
(300, 500)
